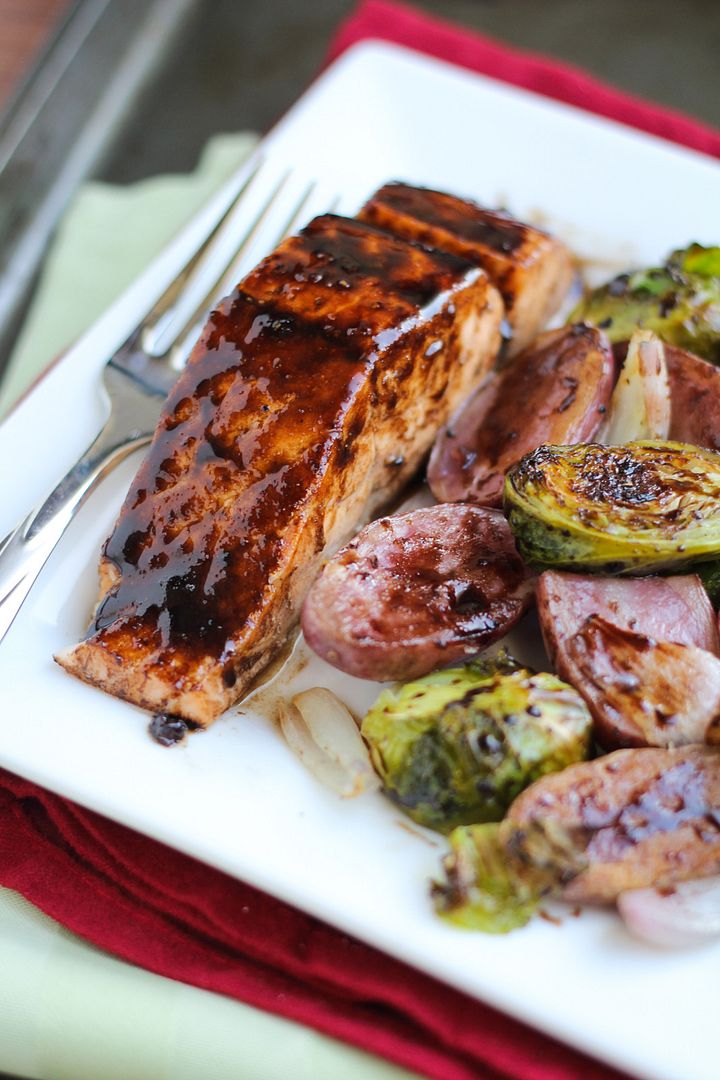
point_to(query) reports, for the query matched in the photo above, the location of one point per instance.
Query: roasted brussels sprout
(496, 875)
(695, 259)
(457, 746)
(634, 509)
(709, 574)
(680, 301)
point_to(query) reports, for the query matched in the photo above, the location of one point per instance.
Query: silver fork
(138, 376)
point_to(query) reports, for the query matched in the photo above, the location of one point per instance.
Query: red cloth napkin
(166, 912)
(169, 913)
(406, 26)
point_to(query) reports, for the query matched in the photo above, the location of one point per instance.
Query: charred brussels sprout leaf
(680, 301)
(634, 509)
(696, 259)
(484, 889)
(496, 875)
(458, 746)
(709, 574)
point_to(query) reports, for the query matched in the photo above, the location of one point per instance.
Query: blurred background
(124, 89)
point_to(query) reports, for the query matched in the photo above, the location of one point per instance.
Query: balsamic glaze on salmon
(532, 270)
(311, 399)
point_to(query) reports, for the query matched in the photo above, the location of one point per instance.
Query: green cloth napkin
(107, 237)
(67, 1010)
(71, 1012)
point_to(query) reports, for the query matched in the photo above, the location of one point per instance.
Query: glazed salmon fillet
(532, 270)
(311, 399)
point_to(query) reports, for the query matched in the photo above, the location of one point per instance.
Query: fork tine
(257, 245)
(240, 224)
(176, 287)
(296, 216)
(262, 239)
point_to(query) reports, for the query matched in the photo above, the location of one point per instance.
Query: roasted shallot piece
(686, 914)
(640, 404)
(320, 729)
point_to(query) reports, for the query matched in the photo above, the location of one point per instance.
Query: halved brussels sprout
(695, 259)
(457, 746)
(497, 875)
(709, 574)
(680, 301)
(633, 509)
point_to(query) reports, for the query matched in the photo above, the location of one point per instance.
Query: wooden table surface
(25, 26)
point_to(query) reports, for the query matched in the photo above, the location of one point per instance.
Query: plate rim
(376, 48)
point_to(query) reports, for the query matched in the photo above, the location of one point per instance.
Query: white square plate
(235, 796)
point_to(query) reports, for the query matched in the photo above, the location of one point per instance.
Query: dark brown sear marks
(532, 270)
(321, 353)
(417, 590)
(490, 227)
(618, 479)
(642, 692)
(316, 274)
(646, 485)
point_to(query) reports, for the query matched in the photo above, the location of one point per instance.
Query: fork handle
(25, 550)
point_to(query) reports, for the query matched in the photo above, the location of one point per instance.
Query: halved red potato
(555, 392)
(694, 399)
(643, 692)
(674, 608)
(643, 817)
(417, 591)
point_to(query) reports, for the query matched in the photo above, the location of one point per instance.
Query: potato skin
(643, 692)
(556, 392)
(417, 591)
(643, 817)
(695, 398)
(674, 608)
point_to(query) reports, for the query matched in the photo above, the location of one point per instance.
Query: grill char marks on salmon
(311, 398)
(532, 270)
